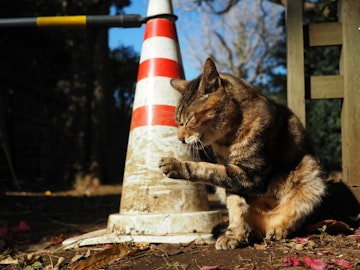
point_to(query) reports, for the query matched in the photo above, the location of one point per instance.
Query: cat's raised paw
(226, 242)
(172, 168)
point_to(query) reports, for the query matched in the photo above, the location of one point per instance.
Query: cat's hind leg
(299, 195)
(236, 232)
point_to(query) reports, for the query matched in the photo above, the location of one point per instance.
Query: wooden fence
(346, 85)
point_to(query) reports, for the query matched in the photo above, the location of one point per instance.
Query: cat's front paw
(173, 168)
(227, 242)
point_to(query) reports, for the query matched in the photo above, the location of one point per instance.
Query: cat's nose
(183, 140)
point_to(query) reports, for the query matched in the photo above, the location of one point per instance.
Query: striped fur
(265, 170)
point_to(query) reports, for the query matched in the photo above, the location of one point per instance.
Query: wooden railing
(346, 85)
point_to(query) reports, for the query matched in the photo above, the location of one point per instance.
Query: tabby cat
(265, 170)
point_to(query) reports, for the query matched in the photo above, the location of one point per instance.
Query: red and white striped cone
(152, 205)
(154, 208)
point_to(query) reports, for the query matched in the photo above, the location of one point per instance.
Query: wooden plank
(331, 86)
(325, 34)
(350, 118)
(356, 192)
(295, 59)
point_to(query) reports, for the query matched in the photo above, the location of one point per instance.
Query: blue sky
(134, 36)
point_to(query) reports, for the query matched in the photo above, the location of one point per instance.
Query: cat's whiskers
(196, 148)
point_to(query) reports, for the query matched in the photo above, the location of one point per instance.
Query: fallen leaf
(37, 247)
(167, 249)
(21, 227)
(261, 246)
(342, 263)
(142, 245)
(88, 253)
(59, 263)
(57, 239)
(331, 226)
(291, 261)
(9, 260)
(76, 258)
(355, 237)
(216, 267)
(302, 240)
(105, 257)
(105, 246)
(315, 264)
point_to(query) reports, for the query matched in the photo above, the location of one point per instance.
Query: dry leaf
(167, 249)
(291, 261)
(315, 264)
(76, 258)
(302, 240)
(216, 267)
(9, 260)
(142, 245)
(88, 253)
(343, 263)
(261, 246)
(23, 226)
(104, 257)
(59, 262)
(37, 247)
(332, 226)
(57, 239)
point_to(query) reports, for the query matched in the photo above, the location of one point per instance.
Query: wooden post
(295, 58)
(349, 11)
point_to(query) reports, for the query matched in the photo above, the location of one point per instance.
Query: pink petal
(342, 263)
(356, 237)
(315, 264)
(302, 240)
(106, 246)
(291, 261)
(21, 227)
(216, 267)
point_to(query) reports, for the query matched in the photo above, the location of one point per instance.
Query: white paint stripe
(157, 7)
(160, 47)
(155, 90)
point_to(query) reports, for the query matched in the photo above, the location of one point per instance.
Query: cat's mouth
(194, 142)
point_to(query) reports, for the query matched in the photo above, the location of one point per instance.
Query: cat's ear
(210, 80)
(179, 84)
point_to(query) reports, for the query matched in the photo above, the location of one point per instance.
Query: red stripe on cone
(160, 67)
(160, 28)
(161, 115)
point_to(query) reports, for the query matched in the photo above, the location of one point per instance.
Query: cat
(265, 171)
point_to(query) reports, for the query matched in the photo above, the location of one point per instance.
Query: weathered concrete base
(164, 224)
(154, 228)
(104, 237)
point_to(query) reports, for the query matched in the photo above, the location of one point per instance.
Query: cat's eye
(191, 118)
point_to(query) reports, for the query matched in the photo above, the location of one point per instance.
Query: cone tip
(157, 7)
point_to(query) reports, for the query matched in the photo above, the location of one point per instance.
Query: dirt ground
(32, 227)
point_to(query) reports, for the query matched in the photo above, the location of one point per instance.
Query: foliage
(76, 69)
(324, 116)
(241, 36)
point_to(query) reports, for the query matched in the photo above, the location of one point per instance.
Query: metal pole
(79, 21)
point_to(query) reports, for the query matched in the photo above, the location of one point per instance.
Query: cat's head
(202, 101)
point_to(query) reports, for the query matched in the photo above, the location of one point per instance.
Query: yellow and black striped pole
(78, 21)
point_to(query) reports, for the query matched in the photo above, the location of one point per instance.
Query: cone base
(104, 237)
(164, 224)
(153, 228)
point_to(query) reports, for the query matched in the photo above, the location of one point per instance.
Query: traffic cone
(154, 208)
